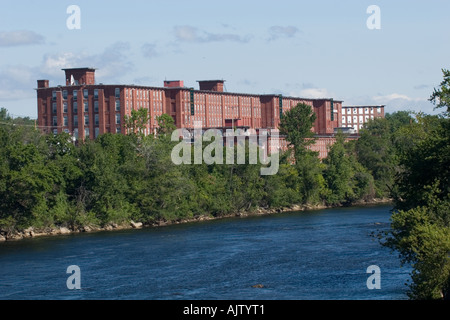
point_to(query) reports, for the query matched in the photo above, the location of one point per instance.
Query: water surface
(301, 255)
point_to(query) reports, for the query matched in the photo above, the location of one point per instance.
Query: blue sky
(313, 49)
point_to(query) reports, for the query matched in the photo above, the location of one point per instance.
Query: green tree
(166, 125)
(420, 228)
(339, 172)
(137, 122)
(376, 152)
(296, 125)
(441, 96)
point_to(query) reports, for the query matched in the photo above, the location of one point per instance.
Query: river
(320, 255)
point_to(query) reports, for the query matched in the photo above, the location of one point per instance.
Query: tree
(420, 228)
(166, 125)
(376, 152)
(296, 125)
(339, 172)
(441, 96)
(137, 122)
(4, 115)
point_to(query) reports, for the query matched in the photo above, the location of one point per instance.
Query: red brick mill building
(86, 109)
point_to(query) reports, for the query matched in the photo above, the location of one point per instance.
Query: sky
(310, 49)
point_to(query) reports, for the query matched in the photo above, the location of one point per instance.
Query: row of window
(143, 94)
(140, 94)
(217, 99)
(356, 127)
(86, 132)
(65, 94)
(85, 107)
(229, 111)
(86, 120)
(362, 119)
(361, 110)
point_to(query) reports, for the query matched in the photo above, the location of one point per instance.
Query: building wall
(86, 109)
(357, 116)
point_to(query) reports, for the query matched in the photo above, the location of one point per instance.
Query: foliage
(420, 229)
(137, 121)
(296, 125)
(441, 96)
(47, 181)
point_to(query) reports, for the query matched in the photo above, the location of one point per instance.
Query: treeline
(420, 228)
(47, 181)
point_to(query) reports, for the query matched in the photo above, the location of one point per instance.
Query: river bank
(32, 232)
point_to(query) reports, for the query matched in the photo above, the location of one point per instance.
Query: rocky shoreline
(31, 232)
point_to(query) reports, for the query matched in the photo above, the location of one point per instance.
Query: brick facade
(84, 108)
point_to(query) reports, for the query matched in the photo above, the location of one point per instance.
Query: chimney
(42, 84)
(80, 76)
(211, 85)
(173, 84)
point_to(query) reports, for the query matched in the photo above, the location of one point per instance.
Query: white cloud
(17, 82)
(313, 93)
(277, 32)
(149, 50)
(20, 38)
(112, 63)
(394, 102)
(194, 35)
(401, 102)
(395, 96)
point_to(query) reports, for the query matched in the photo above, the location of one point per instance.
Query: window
(65, 94)
(117, 93)
(75, 133)
(54, 107)
(96, 132)
(75, 107)
(85, 93)
(96, 119)
(65, 107)
(55, 131)
(75, 121)
(54, 95)
(75, 95)
(86, 106)
(117, 105)
(95, 93)
(379, 110)
(66, 121)
(86, 132)
(118, 118)
(343, 119)
(118, 130)
(355, 111)
(86, 120)
(95, 106)
(55, 121)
